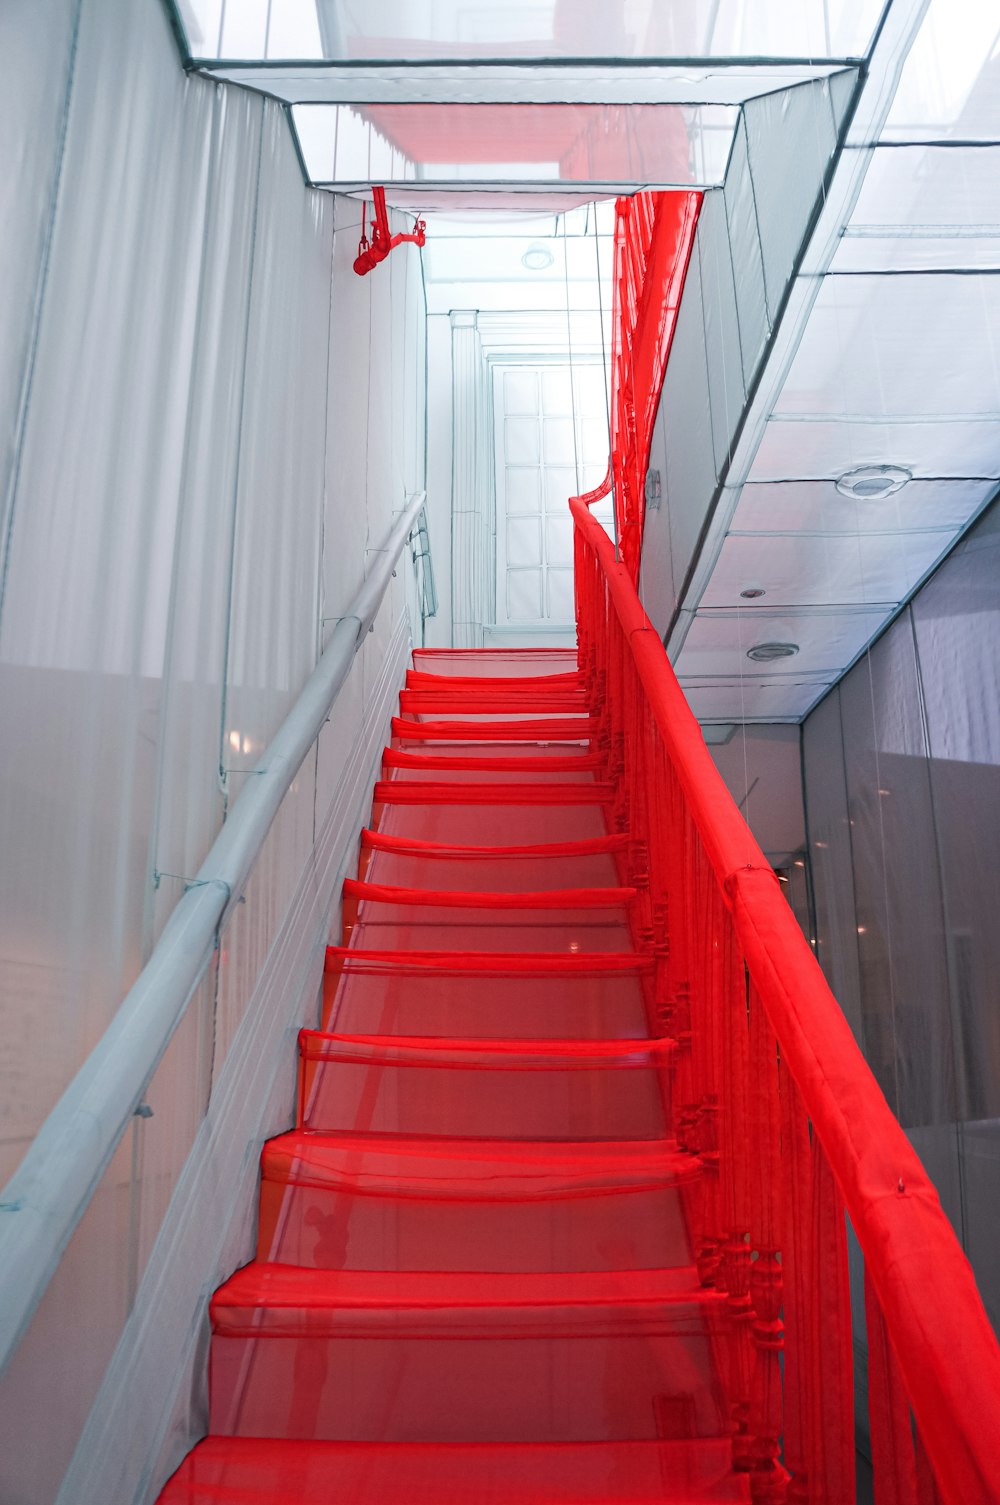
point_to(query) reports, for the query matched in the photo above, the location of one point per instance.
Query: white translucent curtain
(901, 767)
(184, 436)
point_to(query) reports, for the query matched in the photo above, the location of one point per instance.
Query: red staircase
(475, 1281)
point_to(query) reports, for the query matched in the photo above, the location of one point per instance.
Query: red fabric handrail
(947, 1352)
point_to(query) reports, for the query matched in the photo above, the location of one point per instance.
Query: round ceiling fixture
(767, 653)
(752, 592)
(870, 483)
(537, 258)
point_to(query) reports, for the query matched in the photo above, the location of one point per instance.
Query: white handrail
(49, 1192)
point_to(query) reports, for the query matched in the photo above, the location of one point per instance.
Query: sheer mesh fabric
(447, 995)
(495, 663)
(238, 1471)
(406, 863)
(474, 1277)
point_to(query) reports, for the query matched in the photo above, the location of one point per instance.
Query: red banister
(942, 1339)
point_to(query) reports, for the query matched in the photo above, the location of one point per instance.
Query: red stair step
(262, 1471)
(378, 1201)
(401, 1357)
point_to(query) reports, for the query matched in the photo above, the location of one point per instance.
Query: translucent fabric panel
(827, 447)
(515, 143)
(920, 855)
(378, 992)
(223, 1468)
(87, 611)
(374, 1203)
(727, 392)
(474, 770)
(786, 699)
(831, 856)
(948, 85)
(36, 48)
(498, 661)
(163, 554)
(876, 346)
(957, 625)
(274, 612)
(401, 30)
(791, 136)
(529, 1373)
(925, 207)
(48, 1387)
(936, 250)
(534, 1089)
(493, 826)
(816, 570)
(719, 642)
(746, 256)
(388, 927)
(904, 978)
(979, 1147)
(761, 766)
(818, 507)
(685, 453)
(193, 741)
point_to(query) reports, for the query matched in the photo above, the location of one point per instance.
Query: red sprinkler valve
(370, 253)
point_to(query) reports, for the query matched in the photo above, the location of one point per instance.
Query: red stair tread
(284, 1288)
(471, 1051)
(457, 1168)
(414, 792)
(261, 1471)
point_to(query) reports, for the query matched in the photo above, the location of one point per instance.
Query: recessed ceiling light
(537, 258)
(752, 592)
(870, 483)
(766, 653)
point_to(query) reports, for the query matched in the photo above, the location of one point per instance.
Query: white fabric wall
(748, 238)
(198, 443)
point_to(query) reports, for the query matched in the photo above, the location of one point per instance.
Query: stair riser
(336, 1229)
(483, 1103)
(406, 1389)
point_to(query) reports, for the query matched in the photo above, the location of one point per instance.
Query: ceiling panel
(926, 250)
(753, 699)
(515, 144)
(498, 83)
(888, 346)
(717, 642)
(813, 449)
(925, 208)
(818, 507)
(823, 569)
